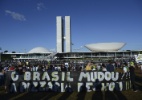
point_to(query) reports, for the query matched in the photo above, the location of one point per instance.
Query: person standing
(141, 68)
(63, 68)
(132, 76)
(103, 67)
(88, 67)
(110, 67)
(125, 70)
(1, 76)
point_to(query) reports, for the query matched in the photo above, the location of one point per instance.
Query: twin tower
(63, 37)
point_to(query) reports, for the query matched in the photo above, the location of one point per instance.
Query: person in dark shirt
(97, 85)
(40, 68)
(83, 88)
(110, 67)
(1, 76)
(132, 77)
(63, 68)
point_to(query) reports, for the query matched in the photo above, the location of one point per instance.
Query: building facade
(63, 30)
(75, 56)
(68, 33)
(59, 35)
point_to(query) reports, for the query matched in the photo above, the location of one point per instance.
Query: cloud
(40, 6)
(15, 15)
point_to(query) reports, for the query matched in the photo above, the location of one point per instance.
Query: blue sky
(25, 24)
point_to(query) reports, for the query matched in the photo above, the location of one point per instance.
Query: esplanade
(41, 53)
(64, 51)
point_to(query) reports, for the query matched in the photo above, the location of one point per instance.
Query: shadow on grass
(7, 96)
(65, 96)
(98, 95)
(139, 87)
(138, 79)
(119, 95)
(33, 95)
(37, 96)
(110, 96)
(52, 94)
(81, 95)
(138, 82)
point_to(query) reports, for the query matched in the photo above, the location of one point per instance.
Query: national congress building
(98, 51)
(63, 26)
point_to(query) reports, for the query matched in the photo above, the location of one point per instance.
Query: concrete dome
(39, 50)
(103, 47)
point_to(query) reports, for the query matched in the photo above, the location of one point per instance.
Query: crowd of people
(21, 67)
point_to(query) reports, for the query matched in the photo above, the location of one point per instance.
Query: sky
(26, 24)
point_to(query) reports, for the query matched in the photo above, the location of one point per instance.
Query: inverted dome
(39, 50)
(105, 46)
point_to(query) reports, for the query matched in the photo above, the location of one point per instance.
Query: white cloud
(40, 6)
(15, 15)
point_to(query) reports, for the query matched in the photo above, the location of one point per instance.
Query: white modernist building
(59, 36)
(105, 47)
(39, 50)
(68, 33)
(100, 51)
(62, 37)
(37, 53)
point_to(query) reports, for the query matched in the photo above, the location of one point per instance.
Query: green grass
(124, 95)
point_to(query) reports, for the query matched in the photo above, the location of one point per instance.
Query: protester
(93, 67)
(8, 79)
(132, 76)
(88, 67)
(103, 67)
(55, 87)
(97, 85)
(12, 68)
(83, 88)
(1, 76)
(125, 70)
(98, 67)
(141, 68)
(110, 67)
(63, 68)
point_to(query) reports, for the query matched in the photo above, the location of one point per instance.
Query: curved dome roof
(39, 50)
(113, 46)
